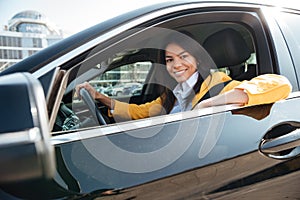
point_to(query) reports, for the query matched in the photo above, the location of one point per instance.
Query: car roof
(45, 56)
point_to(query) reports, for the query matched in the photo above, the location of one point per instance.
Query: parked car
(129, 87)
(122, 89)
(137, 91)
(53, 147)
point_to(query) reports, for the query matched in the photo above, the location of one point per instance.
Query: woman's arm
(263, 89)
(122, 109)
(235, 96)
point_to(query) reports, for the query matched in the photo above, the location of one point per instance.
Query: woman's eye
(169, 60)
(184, 56)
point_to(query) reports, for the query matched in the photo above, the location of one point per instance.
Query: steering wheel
(89, 101)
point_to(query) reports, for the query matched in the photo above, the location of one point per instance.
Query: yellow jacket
(262, 89)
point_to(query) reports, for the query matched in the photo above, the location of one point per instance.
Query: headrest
(227, 48)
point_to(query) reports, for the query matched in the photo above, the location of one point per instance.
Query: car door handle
(282, 141)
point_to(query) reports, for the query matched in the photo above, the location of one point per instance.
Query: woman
(190, 65)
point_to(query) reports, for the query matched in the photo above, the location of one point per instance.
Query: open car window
(132, 70)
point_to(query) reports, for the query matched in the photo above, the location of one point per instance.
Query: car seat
(229, 49)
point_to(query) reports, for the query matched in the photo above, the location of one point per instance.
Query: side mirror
(25, 149)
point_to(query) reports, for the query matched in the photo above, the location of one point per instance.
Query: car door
(210, 153)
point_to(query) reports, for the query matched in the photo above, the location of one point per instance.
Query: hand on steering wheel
(89, 101)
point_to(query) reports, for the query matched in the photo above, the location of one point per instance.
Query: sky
(71, 15)
(75, 15)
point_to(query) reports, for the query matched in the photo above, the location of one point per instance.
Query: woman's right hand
(110, 103)
(88, 87)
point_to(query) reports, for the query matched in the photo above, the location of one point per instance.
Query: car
(122, 89)
(129, 87)
(137, 91)
(55, 145)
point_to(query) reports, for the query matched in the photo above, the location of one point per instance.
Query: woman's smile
(180, 72)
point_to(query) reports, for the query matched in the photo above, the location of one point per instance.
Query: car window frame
(248, 17)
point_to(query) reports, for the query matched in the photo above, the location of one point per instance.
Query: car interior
(230, 45)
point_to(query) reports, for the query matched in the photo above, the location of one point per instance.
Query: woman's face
(180, 64)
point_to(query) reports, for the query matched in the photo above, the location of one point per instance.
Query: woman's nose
(177, 62)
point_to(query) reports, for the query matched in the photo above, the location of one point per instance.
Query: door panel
(216, 152)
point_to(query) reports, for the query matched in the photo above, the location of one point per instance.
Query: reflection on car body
(223, 152)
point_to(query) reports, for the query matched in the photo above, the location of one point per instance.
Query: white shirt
(184, 94)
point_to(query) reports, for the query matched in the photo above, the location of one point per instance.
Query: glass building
(27, 32)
